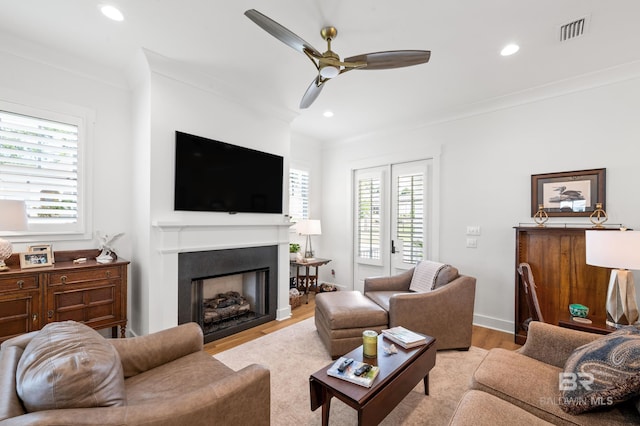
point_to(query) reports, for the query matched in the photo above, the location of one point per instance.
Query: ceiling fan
(328, 63)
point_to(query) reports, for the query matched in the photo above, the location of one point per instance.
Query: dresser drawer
(28, 282)
(81, 276)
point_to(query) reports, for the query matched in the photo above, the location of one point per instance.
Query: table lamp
(619, 250)
(13, 217)
(309, 227)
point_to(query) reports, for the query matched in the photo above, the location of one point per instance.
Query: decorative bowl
(578, 310)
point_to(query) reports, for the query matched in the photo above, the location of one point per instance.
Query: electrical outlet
(472, 243)
(473, 230)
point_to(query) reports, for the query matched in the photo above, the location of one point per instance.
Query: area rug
(294, 353)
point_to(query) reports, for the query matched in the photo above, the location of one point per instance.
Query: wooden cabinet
(557, 257)
(92, 293)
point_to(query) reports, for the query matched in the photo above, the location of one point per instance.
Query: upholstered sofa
(444, 312)
(166, 379)
(523, 386)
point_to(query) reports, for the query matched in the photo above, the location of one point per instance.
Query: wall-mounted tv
(215, 176)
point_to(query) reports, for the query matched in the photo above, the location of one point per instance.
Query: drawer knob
(35, 317)
(108, 274)
(63, 279)
(20, 284)
(50, 314)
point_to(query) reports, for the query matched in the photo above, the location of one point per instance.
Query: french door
(391, 218)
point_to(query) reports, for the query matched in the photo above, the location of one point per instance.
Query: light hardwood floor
(482, 337)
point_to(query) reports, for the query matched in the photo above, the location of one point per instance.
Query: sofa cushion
(425, 275)
(603, 372)
(534, 386)
(69, 365)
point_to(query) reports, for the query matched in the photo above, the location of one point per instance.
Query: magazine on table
(350, 372)
(403, 337)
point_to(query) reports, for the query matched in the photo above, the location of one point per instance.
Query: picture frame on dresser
(567, 194)
(35, 259)
(42, 247)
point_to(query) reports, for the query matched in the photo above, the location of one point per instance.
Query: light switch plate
(473, 230)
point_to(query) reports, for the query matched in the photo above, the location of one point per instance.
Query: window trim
(83, 118)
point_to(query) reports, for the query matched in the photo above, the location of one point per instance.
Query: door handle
(393, 247)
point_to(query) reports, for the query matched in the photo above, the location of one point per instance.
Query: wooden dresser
(557, 256)
(92, 293)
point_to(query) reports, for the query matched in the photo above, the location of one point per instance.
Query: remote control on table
(345, 364)
(362, 370)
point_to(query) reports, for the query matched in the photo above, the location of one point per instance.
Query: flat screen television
(215, 176)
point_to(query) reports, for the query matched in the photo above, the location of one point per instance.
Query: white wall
(27, 78)
(177, 99)
(485, 165)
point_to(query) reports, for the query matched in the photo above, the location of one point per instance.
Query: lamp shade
(613, 249)
(309, 227)
(13, 216)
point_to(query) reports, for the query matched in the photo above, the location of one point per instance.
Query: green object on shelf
(578, 310)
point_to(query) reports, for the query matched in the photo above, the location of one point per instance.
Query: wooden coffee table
(399, 373)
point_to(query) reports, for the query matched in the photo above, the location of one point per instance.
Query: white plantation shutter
(39, 164)
(298, 194)
(369, 220)
(410, 215)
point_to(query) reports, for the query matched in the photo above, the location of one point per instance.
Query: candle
(370, 344)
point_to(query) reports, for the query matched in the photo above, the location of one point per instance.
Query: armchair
(445, 313)
(168, 380)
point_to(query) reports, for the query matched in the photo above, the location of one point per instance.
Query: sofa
(164, 378)
(523, 386)
(444, 311)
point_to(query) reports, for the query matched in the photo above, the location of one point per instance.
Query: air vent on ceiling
(573, 29)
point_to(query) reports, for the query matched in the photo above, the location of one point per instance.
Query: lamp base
(622, 308)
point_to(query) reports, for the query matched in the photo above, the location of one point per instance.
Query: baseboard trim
(493, 323)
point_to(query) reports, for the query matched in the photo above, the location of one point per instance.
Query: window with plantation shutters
(39, 164)
(298, 194)
(369, 217)
(410, 215)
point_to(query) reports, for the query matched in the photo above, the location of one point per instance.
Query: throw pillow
(69, 365)
(425, 275)
(602, 373)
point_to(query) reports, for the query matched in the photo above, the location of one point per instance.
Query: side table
(310, 277)
(598, 325)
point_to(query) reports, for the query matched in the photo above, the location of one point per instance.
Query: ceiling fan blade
(391, 59)
(280, 32)
(312, 93)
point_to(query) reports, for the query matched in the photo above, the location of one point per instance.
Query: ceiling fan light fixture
(329, 71)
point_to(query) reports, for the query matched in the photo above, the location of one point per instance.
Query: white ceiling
(464, 36)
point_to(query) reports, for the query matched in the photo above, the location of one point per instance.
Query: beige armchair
(445, 313)
(168, 380)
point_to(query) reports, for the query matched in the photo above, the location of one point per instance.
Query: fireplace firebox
(227, 291)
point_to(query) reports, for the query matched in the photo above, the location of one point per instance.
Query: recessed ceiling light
(111, 12)
(328, 114)
(509, 49)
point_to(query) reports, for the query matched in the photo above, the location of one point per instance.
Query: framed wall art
(35, 259)
(566, 194)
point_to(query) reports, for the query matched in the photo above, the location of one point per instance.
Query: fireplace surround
(203, 265)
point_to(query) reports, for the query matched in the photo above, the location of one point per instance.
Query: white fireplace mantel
(175, 236)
